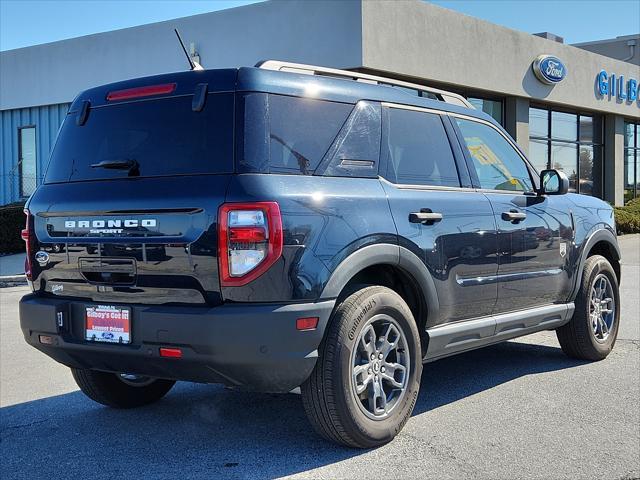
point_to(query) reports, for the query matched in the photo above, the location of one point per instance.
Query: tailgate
(147, 240)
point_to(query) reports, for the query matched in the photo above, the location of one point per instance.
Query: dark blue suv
(290, 228)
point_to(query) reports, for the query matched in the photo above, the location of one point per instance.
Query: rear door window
(162, 136)
(418, 150)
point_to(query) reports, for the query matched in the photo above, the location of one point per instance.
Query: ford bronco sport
(296, 228)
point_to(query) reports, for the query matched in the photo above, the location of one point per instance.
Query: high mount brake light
(138, 92)
(250, 241)
(28, 237)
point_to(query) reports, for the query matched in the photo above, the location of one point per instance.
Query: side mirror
(553, 182)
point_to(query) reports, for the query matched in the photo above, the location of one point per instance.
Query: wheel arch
(394, 267)
(601, 242)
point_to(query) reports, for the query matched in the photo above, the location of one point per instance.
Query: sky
(31, 22)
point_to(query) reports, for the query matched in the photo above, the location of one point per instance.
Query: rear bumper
(255, 346)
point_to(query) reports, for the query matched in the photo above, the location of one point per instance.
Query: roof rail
(421, 90)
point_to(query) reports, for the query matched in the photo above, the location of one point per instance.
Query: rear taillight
(249, 240)
(28, 237)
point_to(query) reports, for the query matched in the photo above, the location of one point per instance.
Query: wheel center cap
(376, 367)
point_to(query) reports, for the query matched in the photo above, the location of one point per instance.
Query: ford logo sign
(549, 69)
(42, 258)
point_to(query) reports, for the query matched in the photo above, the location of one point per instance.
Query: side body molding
(385, 254)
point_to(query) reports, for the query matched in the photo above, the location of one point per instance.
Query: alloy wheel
(380, 367)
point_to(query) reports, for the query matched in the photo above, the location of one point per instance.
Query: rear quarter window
(164, 136)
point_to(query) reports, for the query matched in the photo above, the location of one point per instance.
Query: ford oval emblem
(42, 258)
(549, 69)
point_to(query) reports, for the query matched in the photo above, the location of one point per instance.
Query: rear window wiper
(132, 166)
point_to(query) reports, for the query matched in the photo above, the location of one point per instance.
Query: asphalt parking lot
(516, 410)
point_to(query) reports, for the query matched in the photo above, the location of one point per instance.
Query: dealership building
(575, 108)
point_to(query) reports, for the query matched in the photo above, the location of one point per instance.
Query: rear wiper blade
(131, 166)
(116, 164)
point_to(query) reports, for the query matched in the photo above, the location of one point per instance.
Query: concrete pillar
(614, 159)
(516, 121)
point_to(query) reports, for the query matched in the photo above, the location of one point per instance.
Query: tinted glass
(630, 171)
(539, 154)
(587, 170)
(301, 132)
(490, 107)
(586, 129)
(564, 126)
(28, 178)
(497, 163)
(164, 137)
(356, 150)
(565, 157)
(538, 122)
(418, 150)
(629, 135)
(252, 133)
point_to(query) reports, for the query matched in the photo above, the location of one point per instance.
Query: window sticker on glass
(497, 164)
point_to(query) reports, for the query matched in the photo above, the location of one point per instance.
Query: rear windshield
(146, 138)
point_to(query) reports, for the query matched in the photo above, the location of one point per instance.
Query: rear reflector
(170, 352)
(307, 323)
(138, 92)
(46, 339)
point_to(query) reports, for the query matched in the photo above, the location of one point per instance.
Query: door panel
(451, 229)
(460, 250)
(534, 232)
(533, 252)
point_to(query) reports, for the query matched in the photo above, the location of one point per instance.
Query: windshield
(146, 138)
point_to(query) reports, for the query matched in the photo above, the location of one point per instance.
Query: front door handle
(425, 216)
(514, 216)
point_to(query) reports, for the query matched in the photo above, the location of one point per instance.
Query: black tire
(577, 338)
(329, 396)
(110, 390)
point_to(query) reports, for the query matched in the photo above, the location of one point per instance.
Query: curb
(13, 280)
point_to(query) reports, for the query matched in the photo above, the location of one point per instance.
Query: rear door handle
(514, 216)
(425, 216)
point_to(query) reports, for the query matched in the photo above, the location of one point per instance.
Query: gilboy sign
(613, 86)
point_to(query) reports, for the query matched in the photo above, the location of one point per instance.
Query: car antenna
(193, 65)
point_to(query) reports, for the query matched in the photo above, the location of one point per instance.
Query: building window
(488, 106)
(631, 161)
(27, 160)
(569, 142)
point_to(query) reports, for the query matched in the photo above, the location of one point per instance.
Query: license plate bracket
(108, 324)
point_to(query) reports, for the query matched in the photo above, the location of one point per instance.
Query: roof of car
(253, 79)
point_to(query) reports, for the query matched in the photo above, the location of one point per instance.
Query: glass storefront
(631, 161)
(488, 106)
(569, 142)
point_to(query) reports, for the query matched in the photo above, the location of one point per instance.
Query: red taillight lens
(138, 92)
(249, 240)
(247, 234)
(28, 237)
